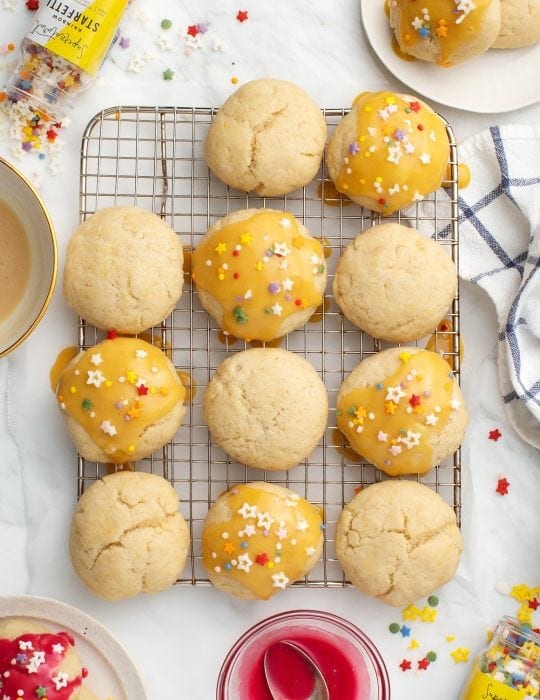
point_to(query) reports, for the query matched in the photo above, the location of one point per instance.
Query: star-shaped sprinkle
(394, 393)
(533, 604)
(261, 559)
(282, 533)
(57, 648)
(425, 158)
(41, 691)
(25, 646)
(405, 665)
(415, 106)
(247, 511)
(168, 74)
(193, 30)
(414, 644)
(32, 4)
(432, 419)
(423, 664)
(411, 440)
(250, 530)
(112, 334)
(428, 614)
(495, 434)
(228, 548)
(95, 378)
(96, 359)
(280, 580)
(124, 42)
(405, 631)
(415, 400)
(455, 404)
(353, 148)
(460, 655)
(285, 223)
(502, 486)
(395, 450)
(302, 525)
(310, 551)
(242, 15)
(281, 249)
(277, 309)
(247, 238)
(142, 390)
(141, 354)
(60, 680)
(390, 408)
(287, 284)
(264, 520)
(382, 437)
(108, 428)
(411, 612)
(244, 563)
(38, 658)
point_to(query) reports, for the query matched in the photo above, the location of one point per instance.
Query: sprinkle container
(349, 661)
(509, 668)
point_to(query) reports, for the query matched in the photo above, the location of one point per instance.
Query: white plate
(111, 673)
(496, 81)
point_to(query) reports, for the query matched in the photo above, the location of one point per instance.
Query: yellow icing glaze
(261, 271)
(116, 390)
(63, 359)
(388, 422)
(442, 342)
(266, 542)
(399, 153)
(447, 23)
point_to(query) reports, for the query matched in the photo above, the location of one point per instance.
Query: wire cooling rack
(152, 157)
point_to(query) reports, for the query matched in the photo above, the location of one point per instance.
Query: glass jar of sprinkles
(62, 52)
(509, 668)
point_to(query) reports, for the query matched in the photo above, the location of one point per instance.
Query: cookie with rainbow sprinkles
(388, 152)
(402, 410)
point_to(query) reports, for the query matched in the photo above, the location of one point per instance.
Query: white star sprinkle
(394, 393)
(281, 249)
(96, 359)
(417, 23)
(141, 354)
(394, 190)
(25, 646)
(38, 658)
(383, 114)
(431, 419)
(409, 148)
(454, 404)
(432, 136)
(264, 520)
(425, 158)
(244, 563)
(310, 551)
(286, 223)
(280, 580)
(284, 264)
(247, 511)
(395, 154)
(418, 197)
(249, 530)
(287, 284)
(108, 428)
(411, 440)
(291, 502)
(277, 309)
(164, 43)
(60, 680)
(382, 437)
(281, 533)
(95, 378)
(302, 525)
(395, 449)
(57, 648)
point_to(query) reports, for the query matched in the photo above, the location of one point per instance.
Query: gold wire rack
(153, 157)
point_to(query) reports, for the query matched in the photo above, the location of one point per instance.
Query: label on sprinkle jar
(78, 30)
(482, 686)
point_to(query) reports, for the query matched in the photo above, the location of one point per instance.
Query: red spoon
(291, 674)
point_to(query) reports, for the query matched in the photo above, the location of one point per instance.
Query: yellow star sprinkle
(411, 612)
(246, 239)
(390, 100)
(131, 377)
(428, 614)
(414, 644)
(442, 30)
(460, 655)
(450, 638)
(259, 266)
(228, 548)
(108, 384)
(221, 248)
(298, 242)
(360, 414)
(405, 356)
(521, 592)
(131, 448)
(390, 408)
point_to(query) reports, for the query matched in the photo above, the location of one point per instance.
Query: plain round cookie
(268, 138)
(127, 536)
(124, 269)
(394, 283)
(247, 307)
(69, 663)
(258, 538)
(266, 407)
(404, 430)
(390, 151)
(121, 399)
(520, 24)
(398, 541)
(444, 31)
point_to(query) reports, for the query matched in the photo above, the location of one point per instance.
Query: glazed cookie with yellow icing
(402, 410)
(268, 137)
(128, 536)
(259, 538)
(398, 541)
(446, 32)
(259, 273)
(266, 407)
(389, 151)
(124, 269)
(520, 24)
(122, 400)
(394, 283)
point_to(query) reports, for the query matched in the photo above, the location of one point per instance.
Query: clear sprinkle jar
(62, 52)
(509, 668)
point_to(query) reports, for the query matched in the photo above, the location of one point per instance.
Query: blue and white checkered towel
(500, 252)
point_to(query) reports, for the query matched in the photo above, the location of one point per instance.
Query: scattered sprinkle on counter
(502, 486)
(495, 434)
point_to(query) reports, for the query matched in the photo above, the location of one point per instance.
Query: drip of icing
(390, 422)
(116, 390)
(261, 271)
(399, 153)
(266, 542)
(31, 663)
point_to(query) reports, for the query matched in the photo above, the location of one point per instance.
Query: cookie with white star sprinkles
(122, 400)
(397, 541)
(390, 151)
(258, 538)
(402, 410)
(259, 273)
(124, 269)
(446, 32)
(36, 662)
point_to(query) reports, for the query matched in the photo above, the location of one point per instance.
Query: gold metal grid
(152, 157)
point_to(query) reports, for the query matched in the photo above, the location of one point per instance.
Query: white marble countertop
(179, 638)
